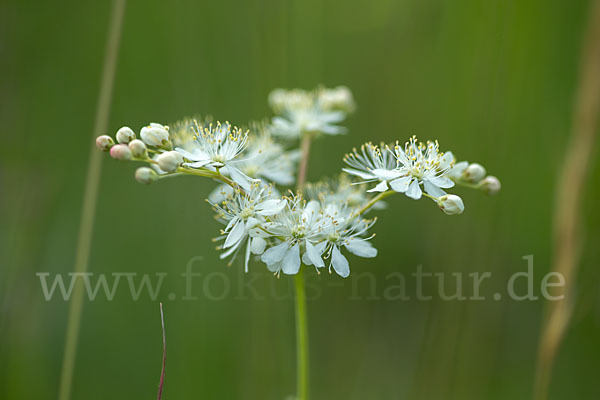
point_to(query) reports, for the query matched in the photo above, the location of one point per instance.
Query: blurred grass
(493, 81)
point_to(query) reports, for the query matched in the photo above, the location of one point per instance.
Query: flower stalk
(301, 338)
(300, 299)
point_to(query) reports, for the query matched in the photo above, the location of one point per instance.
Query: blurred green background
(493, 80)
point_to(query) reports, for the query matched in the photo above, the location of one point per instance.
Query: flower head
(215, 146)
(241, 212)
(420, 163)
(300, 112)
(345, 229)
(313, 231)
(372, 164)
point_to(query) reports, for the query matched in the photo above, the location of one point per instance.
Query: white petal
(333, 116)
(311, 210)
(258, 245)
(314, 255)
(361, 248)
(401, 184)
(247, 258)
(381, 187)
(231, 223)
(414, 190)
(306, 259)
(330, 129)
(236, 233)
(291, 260)
(275, 267)
(251, 223)
(284, 178)
(458, 169)
(386, 173)
(270, 207)
(239, 177)
(321, 247)
(364, 175)
(339, 262)
(441, 182)
(446, 160)
(231, 250)
(197, 164)
(257, 232)
(432, 189)
(185, 153)
(274, 254)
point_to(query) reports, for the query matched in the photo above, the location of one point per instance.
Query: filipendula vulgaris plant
(315, 226)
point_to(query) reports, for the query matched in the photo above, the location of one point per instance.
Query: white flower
(347, 232)
(293, 123)
(303, 112)
(420, 163)
(451, 204)
(125, 135)
(242, 212)
(216, 146)
(299, 226)
(372, 164)
(309, 232)
(169, 161)
(155, 135)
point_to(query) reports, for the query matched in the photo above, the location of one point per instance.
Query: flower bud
(169, 161)
(120, 152)
(474, 173)
(490, 185)
(104, 142)
(451, 204)
(155, 135)
(145, 175)
(138, 148)
(125, 135)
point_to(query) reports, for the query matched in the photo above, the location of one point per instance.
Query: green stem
(301, 320)
(207, 174)
(301, 339)
(374, 200)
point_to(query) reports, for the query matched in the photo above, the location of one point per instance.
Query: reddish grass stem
(164, 358)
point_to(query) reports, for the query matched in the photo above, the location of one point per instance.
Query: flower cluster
(418, 169)
(300, 112)
(319, 224)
